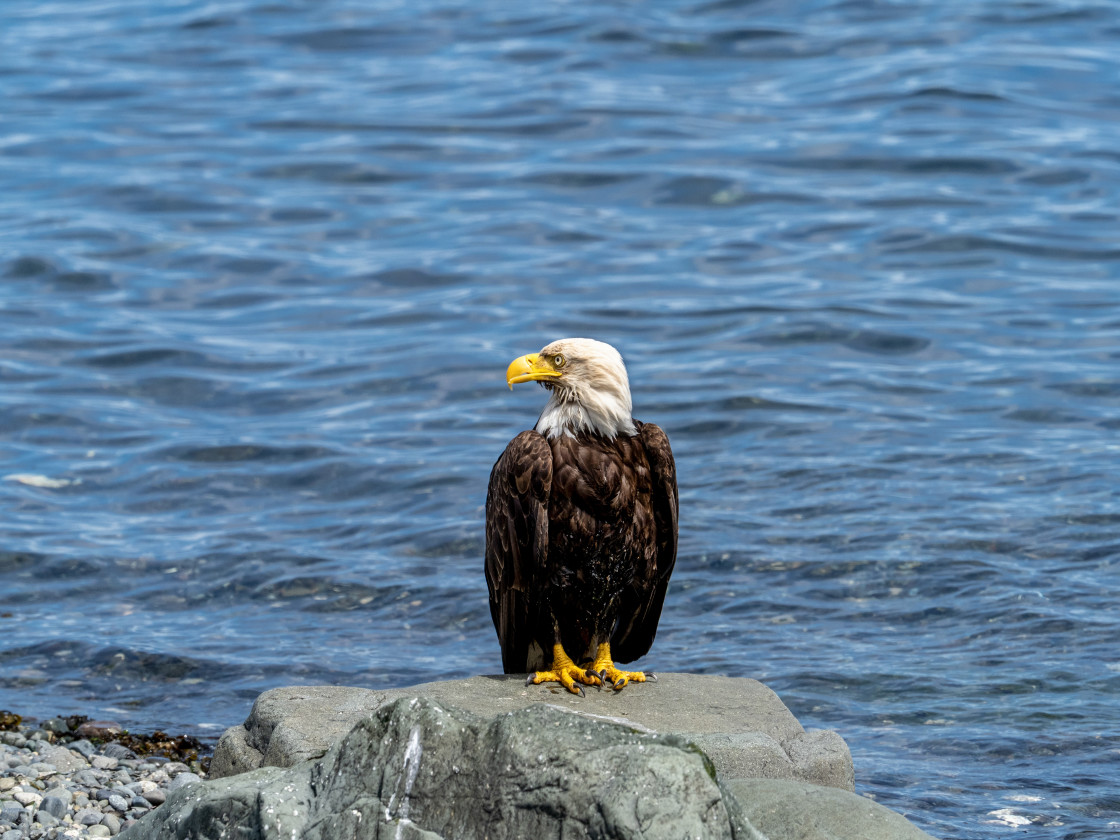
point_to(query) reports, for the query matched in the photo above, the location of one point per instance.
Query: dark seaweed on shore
(63, 730)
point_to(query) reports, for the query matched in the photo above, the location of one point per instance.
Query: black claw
(579, 691)
(619, 683)
(595, 674)
(650, 676)
(529, 679)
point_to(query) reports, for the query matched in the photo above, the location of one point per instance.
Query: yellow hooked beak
(529, 368)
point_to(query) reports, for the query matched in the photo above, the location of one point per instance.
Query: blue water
(263, 264)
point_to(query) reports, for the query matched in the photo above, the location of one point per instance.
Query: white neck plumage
(603, 409)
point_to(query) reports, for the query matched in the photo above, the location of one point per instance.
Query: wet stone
(55, 804)
(99, 729)
(156, 796)
(88, 816)
(118, 751)
(84, 748)
(86, 778)
(45, 819)
(118, 802)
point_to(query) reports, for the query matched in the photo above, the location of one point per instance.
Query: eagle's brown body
(581, 537)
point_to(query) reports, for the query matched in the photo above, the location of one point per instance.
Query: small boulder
(421, 770)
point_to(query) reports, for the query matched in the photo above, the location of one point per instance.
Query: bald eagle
(581, 524)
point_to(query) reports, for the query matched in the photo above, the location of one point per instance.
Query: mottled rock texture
(741, 724)
(415, 769)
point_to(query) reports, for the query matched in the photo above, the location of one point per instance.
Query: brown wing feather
(642, 602)
(517, 542)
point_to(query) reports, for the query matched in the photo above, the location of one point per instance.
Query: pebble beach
(68, 778)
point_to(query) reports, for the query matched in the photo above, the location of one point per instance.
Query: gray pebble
(111, 823)
(55, 805)
(45, 819)
(118, 802)
(98, 831)
(156, 797)
(84, 748)
(139, 801)
(88, 816)
(10, 812)
(117, 751)
(103, 762)
(182, 780)
(14, 834)
(86, 778)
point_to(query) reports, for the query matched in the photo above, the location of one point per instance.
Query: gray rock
(62, 759)
(742, 725)
(56, 802)
(12, 834)
(88, 816)
(84, 748)
(98, 831)
(156, 797)
(111, 823)
(45, 818)
(118, 751)
(788, 810)
(418, 770)
(118, 802)
(182, 780)
(9, 812)
(86, 778)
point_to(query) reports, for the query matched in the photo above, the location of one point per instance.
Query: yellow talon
(605, 666)
(565, 672)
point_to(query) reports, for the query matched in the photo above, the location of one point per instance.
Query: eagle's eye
(558, 361)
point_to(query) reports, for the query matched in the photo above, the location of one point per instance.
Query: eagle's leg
(565, 672)
(617, 679)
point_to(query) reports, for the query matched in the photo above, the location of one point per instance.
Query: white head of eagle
(589, 389)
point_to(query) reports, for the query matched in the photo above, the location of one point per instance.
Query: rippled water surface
(263, 264)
